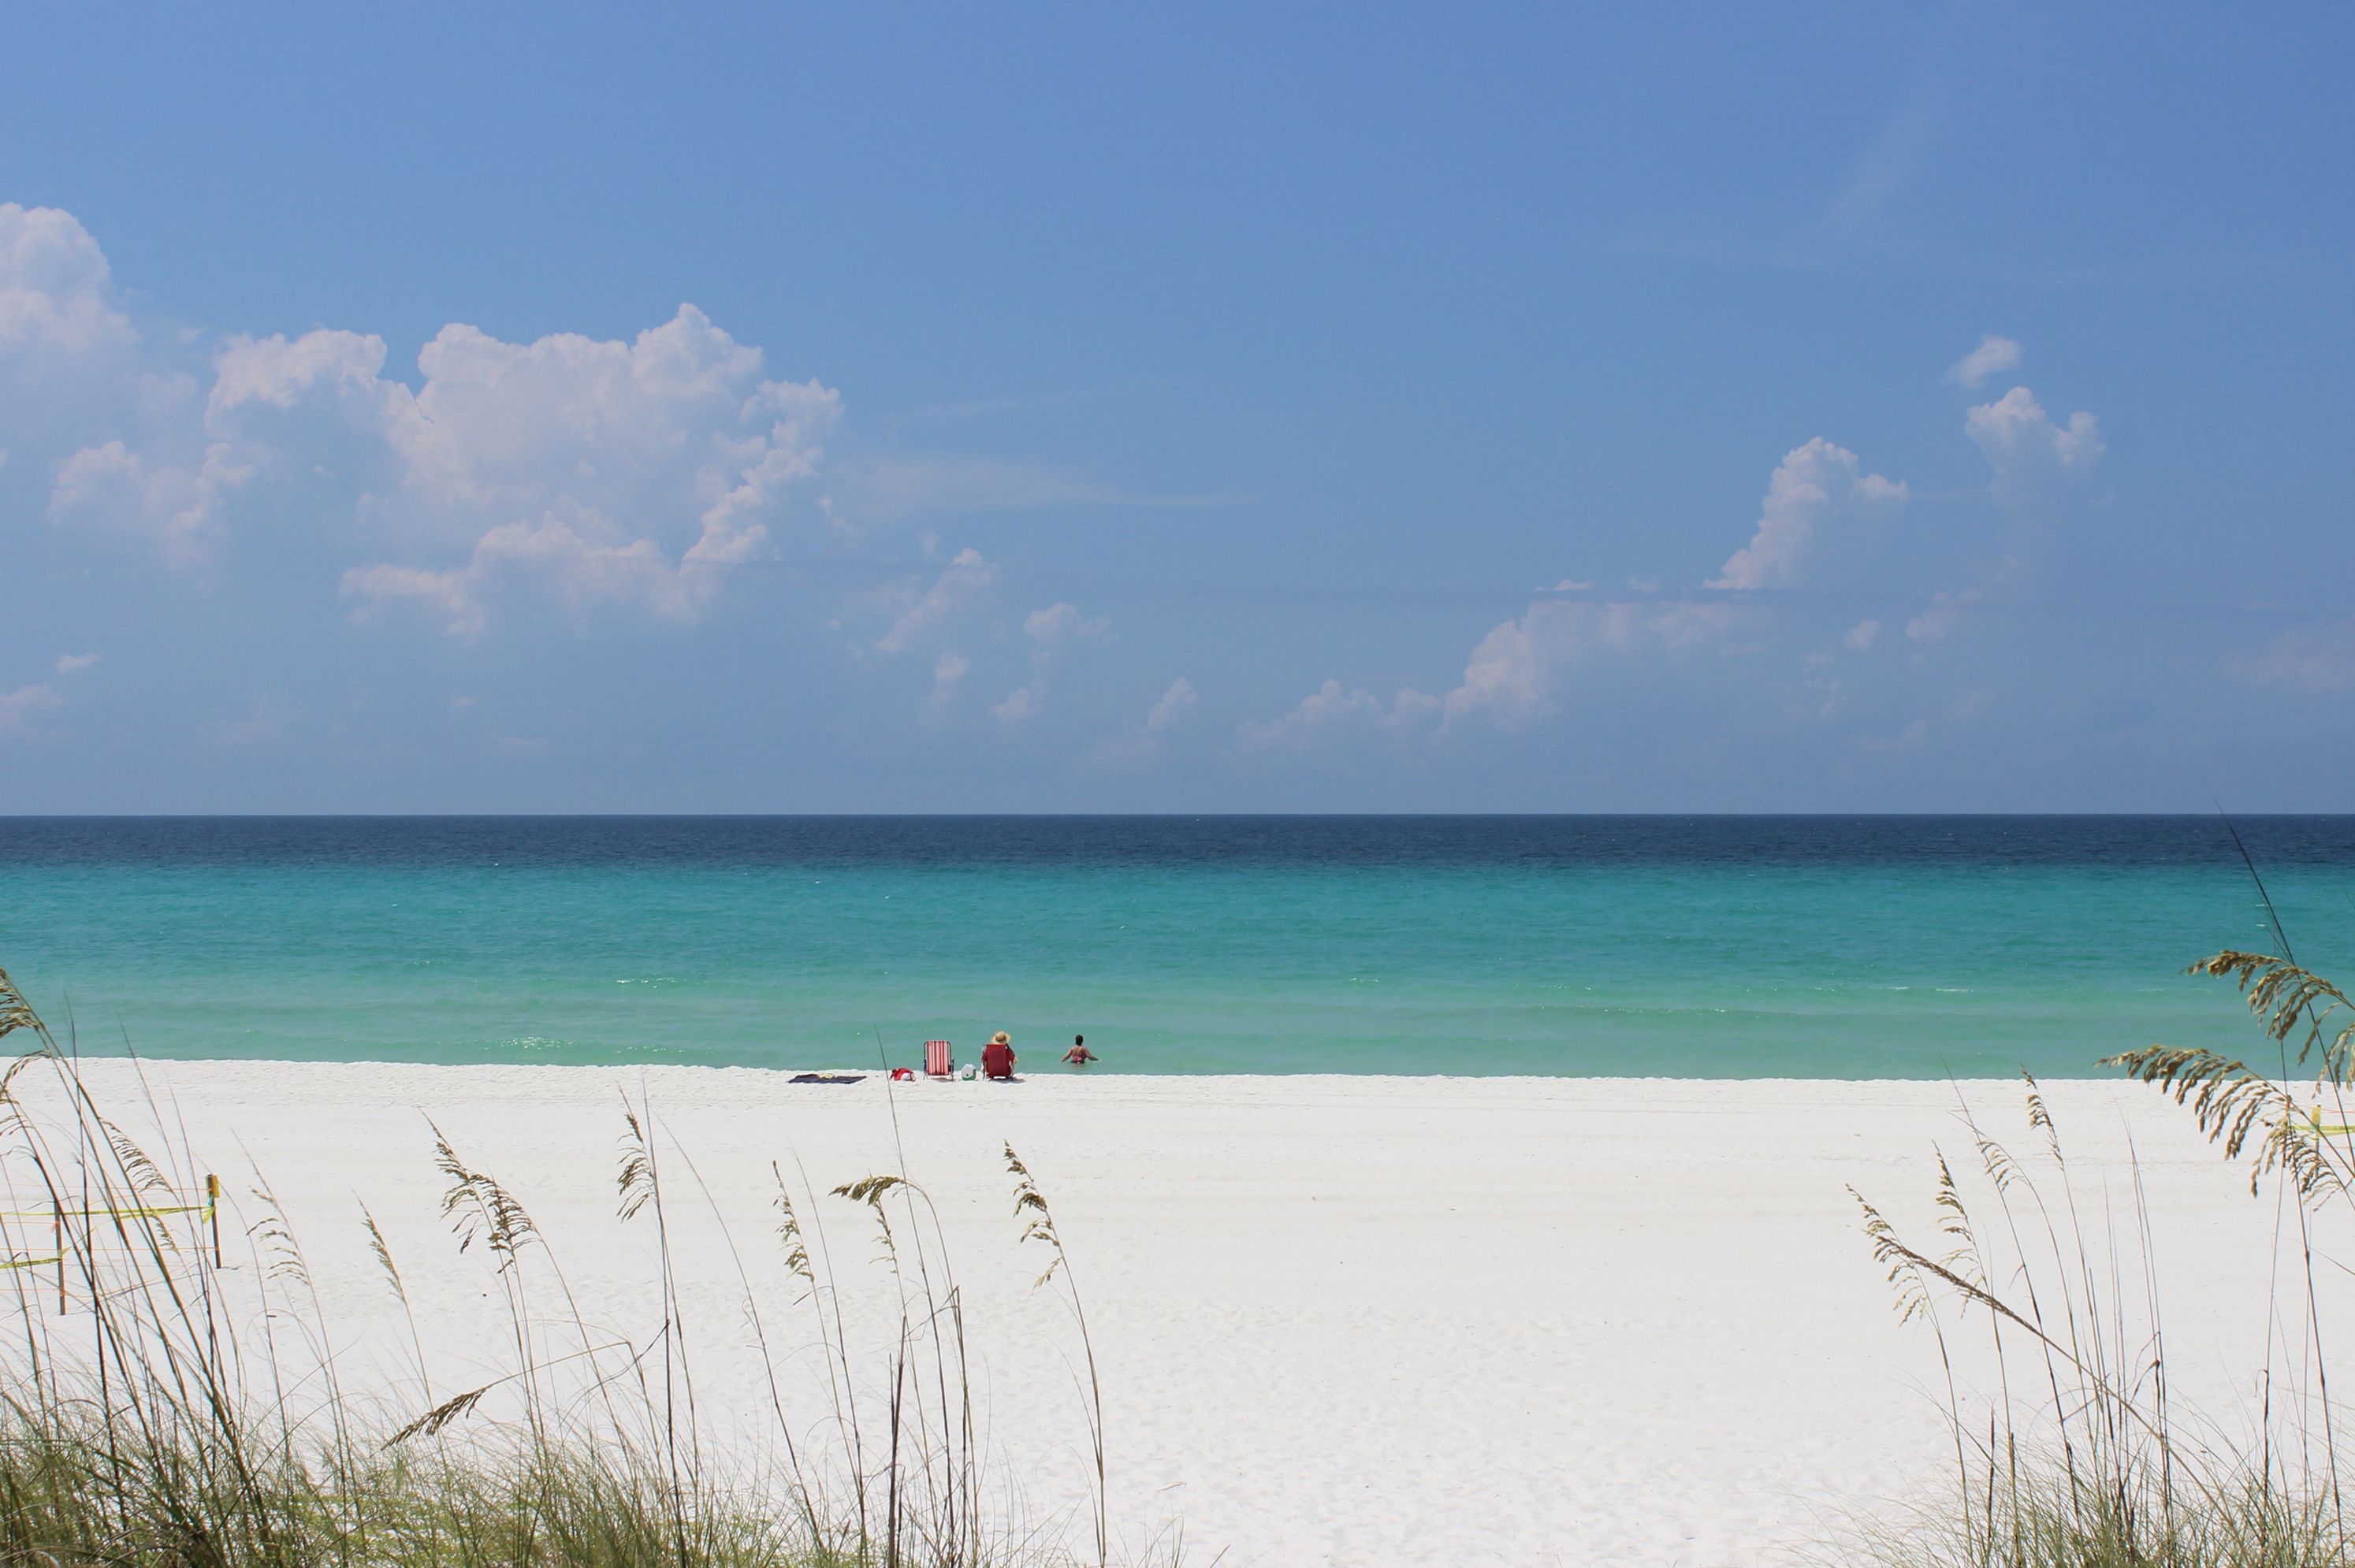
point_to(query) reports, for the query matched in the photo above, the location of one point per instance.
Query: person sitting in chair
(1079, 1056)
(997, 1057)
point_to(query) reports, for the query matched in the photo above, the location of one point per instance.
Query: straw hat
(1001, 1038)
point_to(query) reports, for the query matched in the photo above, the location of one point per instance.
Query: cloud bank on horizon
(1169, 411)
(632, 481)
(1844, 471)
(639, 475)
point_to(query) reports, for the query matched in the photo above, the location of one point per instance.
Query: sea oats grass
(171, 1419)
(2071, 1448)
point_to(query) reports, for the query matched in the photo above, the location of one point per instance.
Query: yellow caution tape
(205, 1208)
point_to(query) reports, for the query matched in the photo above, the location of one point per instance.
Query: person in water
(997, 1057)
(1079, 1056)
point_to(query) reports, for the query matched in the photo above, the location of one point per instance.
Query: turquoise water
(1714, 947)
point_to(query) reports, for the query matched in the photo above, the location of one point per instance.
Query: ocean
(1688, 947)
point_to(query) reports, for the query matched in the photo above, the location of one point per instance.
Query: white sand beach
(1339, 1319)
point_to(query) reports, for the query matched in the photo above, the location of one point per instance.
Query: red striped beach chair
(936, 1059)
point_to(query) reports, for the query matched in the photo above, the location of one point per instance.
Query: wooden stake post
(210, 1208)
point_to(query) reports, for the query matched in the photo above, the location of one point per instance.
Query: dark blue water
(1701, 945)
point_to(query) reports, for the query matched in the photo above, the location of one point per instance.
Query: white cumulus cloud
(635, 471)
(1331, 709)
(1513, 675)
(629, 473)
(57, 293)
(179, 511)
(580, 569)
(321, 368)
(2031, 452)
(1807, 488)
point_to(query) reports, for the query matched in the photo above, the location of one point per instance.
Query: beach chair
(936, 1059)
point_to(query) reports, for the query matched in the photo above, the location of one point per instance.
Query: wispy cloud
(1059, 625)
(1993, 356)
(1172, 705)
(20, 707)
(2310, 659)
(1940, 619)
(1052, 632)
(917, 610)
(880, 491)
(266, 723)
(1010, 403)
(1884, 165)
(1332, 709)
(1021, 705)
(949, 671)
(1142, 742)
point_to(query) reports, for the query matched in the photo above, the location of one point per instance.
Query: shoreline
(1058, 1074)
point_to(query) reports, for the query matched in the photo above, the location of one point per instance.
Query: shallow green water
(1688, 947)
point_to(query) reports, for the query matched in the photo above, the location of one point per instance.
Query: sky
(892, 408)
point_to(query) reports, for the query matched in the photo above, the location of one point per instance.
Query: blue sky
(1209, 408)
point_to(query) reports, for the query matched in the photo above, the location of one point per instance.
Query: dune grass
(2070, 1448)
(141, 1425)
